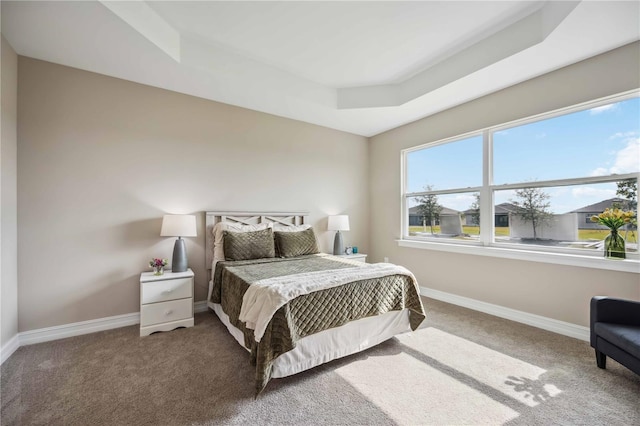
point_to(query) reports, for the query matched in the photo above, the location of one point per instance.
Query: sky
(594, 142)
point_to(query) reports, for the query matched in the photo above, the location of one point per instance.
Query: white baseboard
(549, 324)
(9, 348)
(200, 306)
(76, 329)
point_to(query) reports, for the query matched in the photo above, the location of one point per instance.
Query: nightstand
(166, 301)
(360, 257)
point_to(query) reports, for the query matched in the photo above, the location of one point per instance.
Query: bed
(293, 308)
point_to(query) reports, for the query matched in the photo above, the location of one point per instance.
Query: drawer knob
(168, 312)
(167, 291)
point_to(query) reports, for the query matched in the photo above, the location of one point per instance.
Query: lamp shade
(178, 225)
(338, 223)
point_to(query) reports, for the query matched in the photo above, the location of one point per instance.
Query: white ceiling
(362, 67)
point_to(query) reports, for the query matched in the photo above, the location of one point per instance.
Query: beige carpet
(463, 367)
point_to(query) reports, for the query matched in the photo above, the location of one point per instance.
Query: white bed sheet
(330, 344)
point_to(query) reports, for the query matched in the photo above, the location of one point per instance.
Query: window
(439, 198)
(533, 184)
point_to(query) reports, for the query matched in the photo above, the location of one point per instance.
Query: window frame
(486, 244)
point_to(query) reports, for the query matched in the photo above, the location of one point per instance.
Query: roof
(506, 208)
(599, 207)
(445, 211)
(502, 208)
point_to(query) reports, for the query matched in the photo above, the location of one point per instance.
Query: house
(587, 212)
(417, 219)
(501, 215)
(115, 113)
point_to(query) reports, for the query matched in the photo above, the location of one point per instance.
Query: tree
(533, 207)
(628, 189)
(428, 207)
(475, 209)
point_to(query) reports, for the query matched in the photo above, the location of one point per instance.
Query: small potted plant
(158, 265)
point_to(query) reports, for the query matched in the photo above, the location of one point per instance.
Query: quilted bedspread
(309, 313)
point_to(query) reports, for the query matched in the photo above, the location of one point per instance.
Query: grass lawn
(583, 234)
(471, 230)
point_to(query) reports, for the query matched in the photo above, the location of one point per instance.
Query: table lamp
(338, 223)
(178, 225)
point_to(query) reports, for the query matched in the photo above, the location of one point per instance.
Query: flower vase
(158, 270)
(614, 245)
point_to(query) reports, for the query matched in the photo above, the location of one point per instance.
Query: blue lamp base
(338, 246)
(179, 260)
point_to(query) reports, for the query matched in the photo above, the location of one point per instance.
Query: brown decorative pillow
(218, 245)
(292, 244)
(248, 245)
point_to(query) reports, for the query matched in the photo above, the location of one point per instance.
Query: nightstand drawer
(159, 291)
(174, 310)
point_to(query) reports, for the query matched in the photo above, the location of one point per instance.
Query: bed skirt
(331, 344)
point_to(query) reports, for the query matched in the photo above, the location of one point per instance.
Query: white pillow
(278, 227)
(218, 242)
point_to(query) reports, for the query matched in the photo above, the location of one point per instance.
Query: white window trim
(486, 246)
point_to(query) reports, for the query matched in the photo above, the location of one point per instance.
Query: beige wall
(8, 211)
(100, 160)
(554, 291)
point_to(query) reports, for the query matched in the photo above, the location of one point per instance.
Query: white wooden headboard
(247, 218)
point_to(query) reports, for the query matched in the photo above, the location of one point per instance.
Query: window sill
(622, 265)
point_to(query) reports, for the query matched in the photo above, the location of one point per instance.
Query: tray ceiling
(361, 67)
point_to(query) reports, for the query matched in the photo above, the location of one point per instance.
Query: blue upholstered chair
(615, 331)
